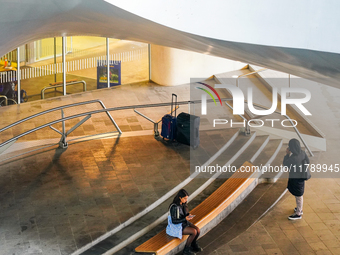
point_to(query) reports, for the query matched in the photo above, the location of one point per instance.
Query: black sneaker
(187, 251)
(294, 217)
(295, 209)
(195, 248)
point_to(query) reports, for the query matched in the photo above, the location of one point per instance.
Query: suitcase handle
(172, 103)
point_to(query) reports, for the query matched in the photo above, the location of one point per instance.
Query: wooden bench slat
(205, 212)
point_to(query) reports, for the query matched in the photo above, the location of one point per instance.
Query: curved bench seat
(205, 212)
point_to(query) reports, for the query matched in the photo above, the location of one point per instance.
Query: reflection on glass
(41, 65)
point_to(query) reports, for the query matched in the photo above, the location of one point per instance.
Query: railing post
(155, 130)
(109, 115)
(62, 143)
(247, 131)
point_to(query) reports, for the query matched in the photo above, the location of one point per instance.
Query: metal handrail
(291, 122)
(6, 100)
(64, 134)
(11, 99)
(61, 85)
(98, 111)
(246, 74)
(59, 108)
(155, 123)
(107, 110)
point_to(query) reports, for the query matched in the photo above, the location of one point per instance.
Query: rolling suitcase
(169, 122)
(188, 129)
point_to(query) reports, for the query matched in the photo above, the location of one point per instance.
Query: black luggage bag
(188, 129)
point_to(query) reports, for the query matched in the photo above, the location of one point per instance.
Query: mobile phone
(192, 216)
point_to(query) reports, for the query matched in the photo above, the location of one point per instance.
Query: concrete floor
(55, 201)
(58, 200)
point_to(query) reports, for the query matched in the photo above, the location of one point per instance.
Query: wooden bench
(205, 212)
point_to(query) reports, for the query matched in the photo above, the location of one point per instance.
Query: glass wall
(82, 61)
(85, 58)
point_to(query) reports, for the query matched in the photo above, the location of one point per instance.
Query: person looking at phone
(179, 213)
(294, 159)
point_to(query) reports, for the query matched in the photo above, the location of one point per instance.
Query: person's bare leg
(299, 205)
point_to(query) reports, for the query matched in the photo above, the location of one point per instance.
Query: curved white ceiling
(306, 24)
(25, 21)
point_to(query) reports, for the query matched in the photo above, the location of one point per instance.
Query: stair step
(230, 151)
(267, 153)
(245, 156)
(214, 138)
(271, 176)
(263, 158)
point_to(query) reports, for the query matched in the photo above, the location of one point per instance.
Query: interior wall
(172, 67)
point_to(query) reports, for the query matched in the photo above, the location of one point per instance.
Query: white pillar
(108, 62)
(18, 74)
(64, 65)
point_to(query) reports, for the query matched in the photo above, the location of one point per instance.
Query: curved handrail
(11, 99)
(291, 122)
(107, 110)
(99, 101)
(6, 99)
(51, 110)
(61, 85)
(122, 108)
(246, 74)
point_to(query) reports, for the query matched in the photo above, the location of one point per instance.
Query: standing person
(180, 217)
(295, 159)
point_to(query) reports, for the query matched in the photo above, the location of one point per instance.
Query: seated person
(8, 89)
(179, 221)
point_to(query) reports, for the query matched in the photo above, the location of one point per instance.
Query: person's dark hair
(182, 193)
(294, 146)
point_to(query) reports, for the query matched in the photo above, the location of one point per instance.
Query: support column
(18, 75)
(108, 61)
(149, 56)
(55, 59)
(64, 65)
